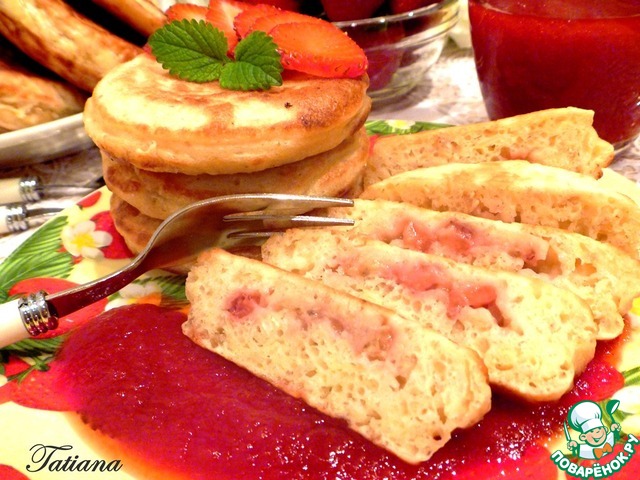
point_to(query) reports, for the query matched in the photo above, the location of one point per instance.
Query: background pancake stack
(54, 52)
(166, 143)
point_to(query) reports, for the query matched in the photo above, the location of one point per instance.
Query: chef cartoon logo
(597, 440)
(593, 453)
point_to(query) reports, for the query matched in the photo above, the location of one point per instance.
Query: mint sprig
(196, 51)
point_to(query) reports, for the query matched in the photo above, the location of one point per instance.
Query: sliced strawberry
(221, 14)
(402, 6)
(266, 23)
(186, 11)
(245, 19)
(319, 49)
(339, 10)
(293, 5)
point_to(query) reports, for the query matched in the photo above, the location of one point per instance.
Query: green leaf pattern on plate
(39, 256)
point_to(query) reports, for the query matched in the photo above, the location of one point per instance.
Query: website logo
(600, 445)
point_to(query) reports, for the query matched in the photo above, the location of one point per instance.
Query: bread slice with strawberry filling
(403, 387)
(599, 273)
(533, 337)
(519, 191)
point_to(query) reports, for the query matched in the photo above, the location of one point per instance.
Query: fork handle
(25, 317)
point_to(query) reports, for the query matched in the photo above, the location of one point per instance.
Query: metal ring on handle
(35, 314)
(16, 218)
(30, 189)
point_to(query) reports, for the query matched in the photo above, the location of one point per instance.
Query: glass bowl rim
(398, 17)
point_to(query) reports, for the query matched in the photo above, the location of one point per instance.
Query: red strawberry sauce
(133, 375)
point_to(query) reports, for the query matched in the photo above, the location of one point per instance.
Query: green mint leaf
(191, 50)
(244, 76)
(257, 65)
(260, 50)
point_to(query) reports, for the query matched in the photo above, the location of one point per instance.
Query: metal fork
(225, 222)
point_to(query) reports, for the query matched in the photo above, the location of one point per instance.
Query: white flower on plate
(149, 292)
(83, 240)
(400, 124)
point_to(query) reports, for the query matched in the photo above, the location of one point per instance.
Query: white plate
(43, 142)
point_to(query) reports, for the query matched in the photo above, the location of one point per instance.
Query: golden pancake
(159, 194)
(140, 114)
(135, 227)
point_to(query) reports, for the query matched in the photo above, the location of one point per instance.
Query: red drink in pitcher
(538, 54)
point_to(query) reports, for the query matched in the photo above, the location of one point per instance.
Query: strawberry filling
(455, 236)
(426, 277)
(243, 303)
(457, 240)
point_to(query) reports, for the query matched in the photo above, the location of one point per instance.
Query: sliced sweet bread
(601, 274)
(519, 191)
(562, 137)
(533, 337)
(403, 387)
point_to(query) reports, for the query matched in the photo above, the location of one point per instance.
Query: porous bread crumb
(405, 390)
(534, 338)
(518, 191)
(562, 137)
(601, 274)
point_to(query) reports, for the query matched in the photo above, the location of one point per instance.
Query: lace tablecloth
(450, 93)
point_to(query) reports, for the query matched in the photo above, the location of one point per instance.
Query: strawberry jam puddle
(132, 375)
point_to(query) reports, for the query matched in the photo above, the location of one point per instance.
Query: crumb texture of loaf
(562, 137)
(519, 191)
(601, 274)
(533, 337)
(404, 390)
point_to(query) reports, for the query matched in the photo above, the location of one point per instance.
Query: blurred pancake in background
(60, 38)
(29, 94)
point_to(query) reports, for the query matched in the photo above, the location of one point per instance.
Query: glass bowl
(401, 48)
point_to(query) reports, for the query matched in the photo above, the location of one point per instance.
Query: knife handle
(25, 317)
(25, 189)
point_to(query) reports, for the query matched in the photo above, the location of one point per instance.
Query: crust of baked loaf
(601, 274)
(158, 194)
(533, 337)
(404, 390)
(562, 137)
(519, 191)
(67, 43)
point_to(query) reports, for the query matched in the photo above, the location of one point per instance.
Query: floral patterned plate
(81, 244)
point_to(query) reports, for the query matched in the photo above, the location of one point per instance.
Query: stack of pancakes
(166, 142)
